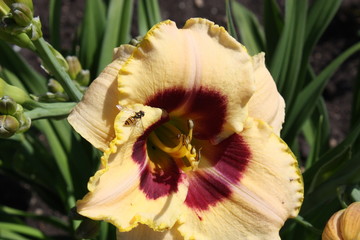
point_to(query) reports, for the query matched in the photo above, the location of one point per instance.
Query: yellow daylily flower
(344, 224)
(189, 125)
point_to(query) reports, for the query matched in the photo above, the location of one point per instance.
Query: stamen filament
(184, 153)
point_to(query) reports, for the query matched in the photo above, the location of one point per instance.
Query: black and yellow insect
(134, 119)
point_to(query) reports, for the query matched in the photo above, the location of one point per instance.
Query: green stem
(48, 110)
(56, 69)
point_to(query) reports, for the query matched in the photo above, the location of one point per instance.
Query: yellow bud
(74, 66)
(344, 224)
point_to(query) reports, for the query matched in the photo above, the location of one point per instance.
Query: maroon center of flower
(207, 108)
(228, 159)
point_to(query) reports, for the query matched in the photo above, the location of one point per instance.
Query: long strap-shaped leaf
(285, 65)
(33, 81)
(92, 28)
(251, 32)
(117, 29)
(304, 103)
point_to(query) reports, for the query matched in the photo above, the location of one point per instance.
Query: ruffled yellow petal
(94, 116)
(200, 57)
(266, 103)
(115, 192)
(269, 191)
(144, 232)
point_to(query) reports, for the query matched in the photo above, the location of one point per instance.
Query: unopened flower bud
(344, 224)
(9, 125)
(19, 95)
(74, 66)
(28, 3)
(83, 77)
(21, 14)
(54, 86)
(7, 105)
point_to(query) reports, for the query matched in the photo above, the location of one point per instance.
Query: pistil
(184, 153)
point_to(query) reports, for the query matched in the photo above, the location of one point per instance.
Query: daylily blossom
(344, 224)
(189, 125)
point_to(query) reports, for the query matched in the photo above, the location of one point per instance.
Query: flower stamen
(184, 153)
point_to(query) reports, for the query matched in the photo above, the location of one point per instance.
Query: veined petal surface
(266, 103)
(252, 204)
(116, 191)
(94, 116)
(184, 63)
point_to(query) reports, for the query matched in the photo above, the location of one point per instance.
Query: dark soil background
(342, 33)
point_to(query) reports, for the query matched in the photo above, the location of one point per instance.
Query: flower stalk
(57, 70)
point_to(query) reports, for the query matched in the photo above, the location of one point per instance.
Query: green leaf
(61, 160)
(273, 24)
(148, 15)
(286, 62)
(303, 105)
(117, 29)
(54, 22)
(319, 17)
(317, 173)
(33, 81)
(18, 228)
(47, 219)
(251, 32)
(230, 23)
(92, 28)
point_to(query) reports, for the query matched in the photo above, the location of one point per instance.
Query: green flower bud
(22, 40)
(19, 95)
(36, 32)
(9, 125)
(54, 86)
(24, 121)
(83, 77)
(7, 105)
(74, 66)
(21, 14)
(28, 3)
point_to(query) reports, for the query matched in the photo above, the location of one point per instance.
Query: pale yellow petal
(269, 192)
(200, 59)
(94, 116)
(116, 194)
(266, 104)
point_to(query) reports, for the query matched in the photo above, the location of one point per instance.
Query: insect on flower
(134, 119)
